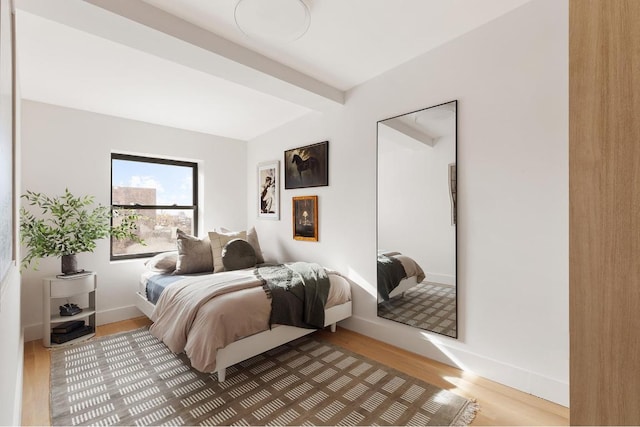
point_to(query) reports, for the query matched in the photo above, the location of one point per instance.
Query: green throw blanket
(298, 293)
(390, 273)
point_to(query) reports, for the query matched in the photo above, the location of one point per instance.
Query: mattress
(152, 284)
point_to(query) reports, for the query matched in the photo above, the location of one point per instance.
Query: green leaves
(68, 225)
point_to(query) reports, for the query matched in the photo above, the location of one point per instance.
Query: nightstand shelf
(58, 291)
(86, 312)
(73, 341)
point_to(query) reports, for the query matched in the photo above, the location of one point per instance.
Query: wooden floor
(499, 405)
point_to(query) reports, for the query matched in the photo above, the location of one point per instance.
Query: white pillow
(164, 262)
(218, 240)
(252, 238)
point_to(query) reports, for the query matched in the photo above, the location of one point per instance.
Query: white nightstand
(57, 292)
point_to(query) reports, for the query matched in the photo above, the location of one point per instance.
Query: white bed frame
(403, 286)
(253, 345)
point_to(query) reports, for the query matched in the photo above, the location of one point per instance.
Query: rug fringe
(467, 414)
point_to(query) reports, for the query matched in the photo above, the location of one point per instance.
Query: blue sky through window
(173, 184)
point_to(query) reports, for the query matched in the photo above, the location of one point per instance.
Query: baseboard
(437, 349)
(34, 332)
(445, 279)
(117, 314)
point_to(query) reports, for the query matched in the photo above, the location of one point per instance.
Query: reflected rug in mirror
(133, 379)
(428, 305)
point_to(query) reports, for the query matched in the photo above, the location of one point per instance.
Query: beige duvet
(411, 267)
(202, 314)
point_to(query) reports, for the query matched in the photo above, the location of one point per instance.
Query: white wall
(62, 147)
(511, 79)
(11, 356)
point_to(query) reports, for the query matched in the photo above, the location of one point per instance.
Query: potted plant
(67, 225)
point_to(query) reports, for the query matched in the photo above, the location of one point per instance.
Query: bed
(397, 273)
(187, 310)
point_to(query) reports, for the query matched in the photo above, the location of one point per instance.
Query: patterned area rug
(133, 379)
(430, 306)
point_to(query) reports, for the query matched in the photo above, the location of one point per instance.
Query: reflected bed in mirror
(416, 187)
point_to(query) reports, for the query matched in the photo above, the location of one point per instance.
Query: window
(165, 195)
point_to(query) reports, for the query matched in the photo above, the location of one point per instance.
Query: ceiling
(184, 63)
(420, 128)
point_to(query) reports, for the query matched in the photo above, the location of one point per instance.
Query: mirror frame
(456, 207)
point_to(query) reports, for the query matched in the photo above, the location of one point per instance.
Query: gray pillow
(194, 255)
(164, 262)
(238, 254)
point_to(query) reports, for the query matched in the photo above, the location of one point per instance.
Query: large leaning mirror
(417, 219)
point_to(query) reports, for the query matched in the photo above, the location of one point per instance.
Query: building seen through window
(163, 192)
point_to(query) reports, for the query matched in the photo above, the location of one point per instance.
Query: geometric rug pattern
(428, 305)
(133, 379)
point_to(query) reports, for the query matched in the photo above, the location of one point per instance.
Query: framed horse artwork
(307, 166)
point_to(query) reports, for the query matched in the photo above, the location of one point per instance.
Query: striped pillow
(218, 240)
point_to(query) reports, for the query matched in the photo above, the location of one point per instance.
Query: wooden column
(604, 231)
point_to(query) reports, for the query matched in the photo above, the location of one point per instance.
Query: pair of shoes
(69, 309)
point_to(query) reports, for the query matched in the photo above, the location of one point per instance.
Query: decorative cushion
(194, 255)
(238, 254)
(252, 238)
(218, 240)
(164, 262)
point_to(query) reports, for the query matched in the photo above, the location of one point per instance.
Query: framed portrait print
(307, 166)
(269, 190)
(305, 218)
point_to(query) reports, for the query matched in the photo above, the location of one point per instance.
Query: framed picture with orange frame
(305, 218)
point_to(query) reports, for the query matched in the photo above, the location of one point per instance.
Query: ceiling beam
(144, 27)
(410, 131)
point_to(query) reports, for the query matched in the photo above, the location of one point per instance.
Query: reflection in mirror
(417, 219)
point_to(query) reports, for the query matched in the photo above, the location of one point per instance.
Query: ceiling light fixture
(277, 20)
